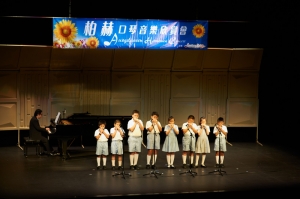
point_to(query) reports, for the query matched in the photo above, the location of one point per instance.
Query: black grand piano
(78, 125)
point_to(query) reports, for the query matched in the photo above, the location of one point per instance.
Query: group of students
(190, 144)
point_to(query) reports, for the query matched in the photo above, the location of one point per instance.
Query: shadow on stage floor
(251, 169)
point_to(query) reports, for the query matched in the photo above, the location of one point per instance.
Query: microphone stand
(153, 156)
(190, 170)
(123, 172)
(219, 170)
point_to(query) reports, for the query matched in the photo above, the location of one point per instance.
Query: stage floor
(251, 169)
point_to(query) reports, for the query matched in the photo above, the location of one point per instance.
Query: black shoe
(196, 166)
(104, 167)
(119, 167)
(42, 153)
(172, 166)
(132, 167)
(217, 166)
(153, 166)
(113, 168)
(203, 166)
(148, 166)
(98, 167)
(136, 167)
(184, 166)
(192, 166)
(222, 165)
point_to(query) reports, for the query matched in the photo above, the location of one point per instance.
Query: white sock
(136, 157)
(104, 161)
(172, 158)
(98, 161)
(131, 156)
(113, 163)
(169, 159)
(222, 159)
(148, 159)
(154, 160)
(184, 159)
(192, 159)
(217, 159)
(120, 163)
(203, 159)
(197, 159)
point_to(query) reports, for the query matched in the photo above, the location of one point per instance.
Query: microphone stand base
(155, 173)
(122, 173)
(190, 172)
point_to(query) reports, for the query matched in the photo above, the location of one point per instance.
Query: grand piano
(77, 125)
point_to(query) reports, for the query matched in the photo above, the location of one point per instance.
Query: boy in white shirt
(101, 135)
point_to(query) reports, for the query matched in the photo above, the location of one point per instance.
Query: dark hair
(191, 117)
(101, 122)
(201, 118)
(171, 117)
(220, 119)
(37, 112)
(117, 121)
(135, 111)
(154, 113)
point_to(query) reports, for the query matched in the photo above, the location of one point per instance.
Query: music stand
(153, 165)
(190, 170)
(123, 171)
(219, 170)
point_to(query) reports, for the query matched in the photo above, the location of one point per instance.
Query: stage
(251, 169)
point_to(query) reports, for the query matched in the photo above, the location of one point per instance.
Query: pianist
(36, 132)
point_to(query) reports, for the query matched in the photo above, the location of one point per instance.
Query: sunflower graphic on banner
(120, 33)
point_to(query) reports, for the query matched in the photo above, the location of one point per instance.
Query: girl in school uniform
(202, 145)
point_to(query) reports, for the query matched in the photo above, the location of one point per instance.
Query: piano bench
(31, 143)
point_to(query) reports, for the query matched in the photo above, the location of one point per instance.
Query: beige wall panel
(246, 59)
(157, 95)
(66, 59)
(127, 85)
(181, 108)
(34, 94)
(8, 116)
(128, 59)
(158, 59)
(65, 92)
(214, 96)
(97, 59)
(243, 85)
(9, 57)
(216, 59)
(126, 93)
(96, 92)
(188, 60)
(124, 107)
(8, 85)
(35, 58)
(242, 112)
(186, 84)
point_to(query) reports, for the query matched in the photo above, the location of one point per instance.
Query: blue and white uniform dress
(202, 144)
(135, 136)
(171, 143)
(153, 134)
(189, 138)
(116, 146)
(102, 143)
(222, 140)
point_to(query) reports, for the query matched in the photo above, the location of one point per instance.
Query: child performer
(171, 143)
(153, 127)
(135, 127)
(202, 145)
(116, 147)
(220, 131)
(189, 129)
(101, 135)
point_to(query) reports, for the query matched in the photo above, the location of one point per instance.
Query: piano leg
(64, 147)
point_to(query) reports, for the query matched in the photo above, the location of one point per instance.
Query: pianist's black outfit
(36, 132)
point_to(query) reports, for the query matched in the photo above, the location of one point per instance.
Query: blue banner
(128, 34)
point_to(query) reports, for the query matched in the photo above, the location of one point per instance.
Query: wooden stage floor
(251, 169)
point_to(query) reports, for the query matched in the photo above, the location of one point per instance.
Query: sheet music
(57, 118)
